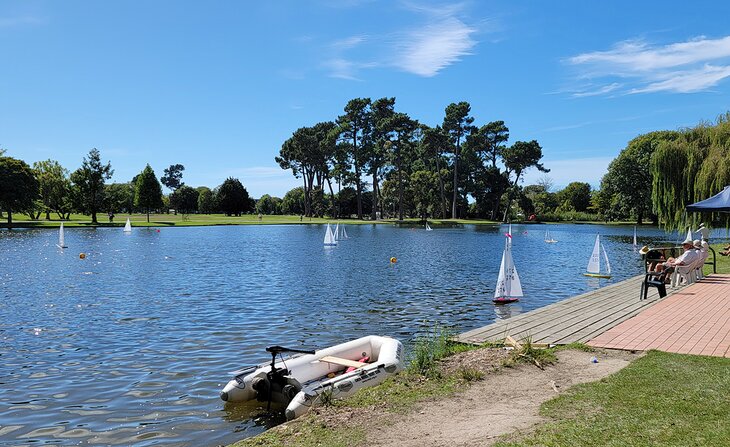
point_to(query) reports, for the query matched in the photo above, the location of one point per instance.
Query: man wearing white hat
(688, 257)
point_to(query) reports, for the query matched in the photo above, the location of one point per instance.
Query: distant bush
(568, 216)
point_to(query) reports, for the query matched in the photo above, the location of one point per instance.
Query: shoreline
(207, 220)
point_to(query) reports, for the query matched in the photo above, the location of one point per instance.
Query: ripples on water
(132, 344)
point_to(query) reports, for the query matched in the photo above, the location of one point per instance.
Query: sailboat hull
(596, 275)
(505, 300)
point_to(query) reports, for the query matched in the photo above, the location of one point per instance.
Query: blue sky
(218, 86)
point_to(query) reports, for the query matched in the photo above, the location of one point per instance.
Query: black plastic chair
(654, 279)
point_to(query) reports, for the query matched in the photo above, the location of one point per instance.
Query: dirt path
(502, 403)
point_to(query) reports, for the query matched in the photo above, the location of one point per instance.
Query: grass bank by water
(660, 399)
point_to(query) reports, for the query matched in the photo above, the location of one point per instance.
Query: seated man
(688, 257)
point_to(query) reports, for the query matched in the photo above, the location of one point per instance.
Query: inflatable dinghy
(299, 380)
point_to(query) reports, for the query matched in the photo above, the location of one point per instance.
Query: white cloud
(428, 50)
(682, 67)
(439, 38)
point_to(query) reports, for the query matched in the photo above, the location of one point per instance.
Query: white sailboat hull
(309, 376)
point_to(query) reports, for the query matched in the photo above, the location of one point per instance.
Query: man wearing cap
(688, 257)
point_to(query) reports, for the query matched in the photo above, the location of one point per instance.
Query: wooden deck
(577, 319)
(695, 320)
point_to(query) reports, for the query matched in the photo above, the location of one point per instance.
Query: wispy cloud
(428, 50)
(437, 38)
(8, 22)
(683, 67)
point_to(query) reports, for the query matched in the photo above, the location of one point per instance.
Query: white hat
(697, 243)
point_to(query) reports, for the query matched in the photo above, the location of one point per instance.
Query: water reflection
(133, 344)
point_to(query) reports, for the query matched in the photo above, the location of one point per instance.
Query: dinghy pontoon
(298, 381)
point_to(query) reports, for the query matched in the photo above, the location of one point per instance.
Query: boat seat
(341, 361)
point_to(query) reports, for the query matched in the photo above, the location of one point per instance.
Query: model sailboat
(344, 233)
(594, 263)
(337, 232)
(61, 238)
(128, 226)
(329, 237)
(509, 288)
(428, 228)
(635, 244)
(549, 239)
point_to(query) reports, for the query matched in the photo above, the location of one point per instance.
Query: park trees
(457, 125)
(517, 158)
(89, 182)
(172, 177)
(18, 186)
(147, 191)
(184, 199)
(293, 201)
(232, 198)
(119, 197)
(206, 200)
(355, 132)
(268, 205)
(54, 187)
(575, 197)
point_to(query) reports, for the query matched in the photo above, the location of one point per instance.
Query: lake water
(133, 344)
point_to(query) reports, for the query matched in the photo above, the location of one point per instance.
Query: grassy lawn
(659, 400)
(170, 220)
(723, 262)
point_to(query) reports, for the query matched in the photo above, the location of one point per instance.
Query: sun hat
(644, 250)
(697, 243)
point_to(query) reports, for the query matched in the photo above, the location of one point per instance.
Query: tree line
(659, 173)
(396, 166)
(47, 187)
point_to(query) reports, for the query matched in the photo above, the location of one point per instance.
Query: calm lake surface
(133, 344)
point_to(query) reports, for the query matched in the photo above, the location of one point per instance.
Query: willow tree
(692, 167)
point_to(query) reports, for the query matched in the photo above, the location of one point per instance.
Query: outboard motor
(276, 379)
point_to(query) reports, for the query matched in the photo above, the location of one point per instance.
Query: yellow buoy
(393, 260)
(82, 255)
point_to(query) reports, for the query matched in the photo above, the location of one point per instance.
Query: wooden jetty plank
(549, 313)
(577, 318)
(573, 304)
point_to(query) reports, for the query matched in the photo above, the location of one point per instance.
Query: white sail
(605, 258)
(329, 237)
(128, 226)
(344, 233)
(61, 238)
(594, 263)
(547, 235)
(337, 232)
(689, 235)
(508, 281)
(635, 244)
(428, 228)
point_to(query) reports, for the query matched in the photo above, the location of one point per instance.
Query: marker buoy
(393, 260)
(82, 255)
(158, 230)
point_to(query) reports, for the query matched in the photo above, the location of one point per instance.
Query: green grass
(723, 262)
(171, 220)
(660, 399)
(308, 431)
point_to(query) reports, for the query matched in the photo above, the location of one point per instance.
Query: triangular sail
(428, 228)
(605, 258)
(594, 263)
(635, 244)
(128, 226)
(689, 235)
(344, 233)
(329, 237)
(508, 281)
(337, 232)
(61, 237)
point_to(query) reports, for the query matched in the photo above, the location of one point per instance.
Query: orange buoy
(82, 255)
